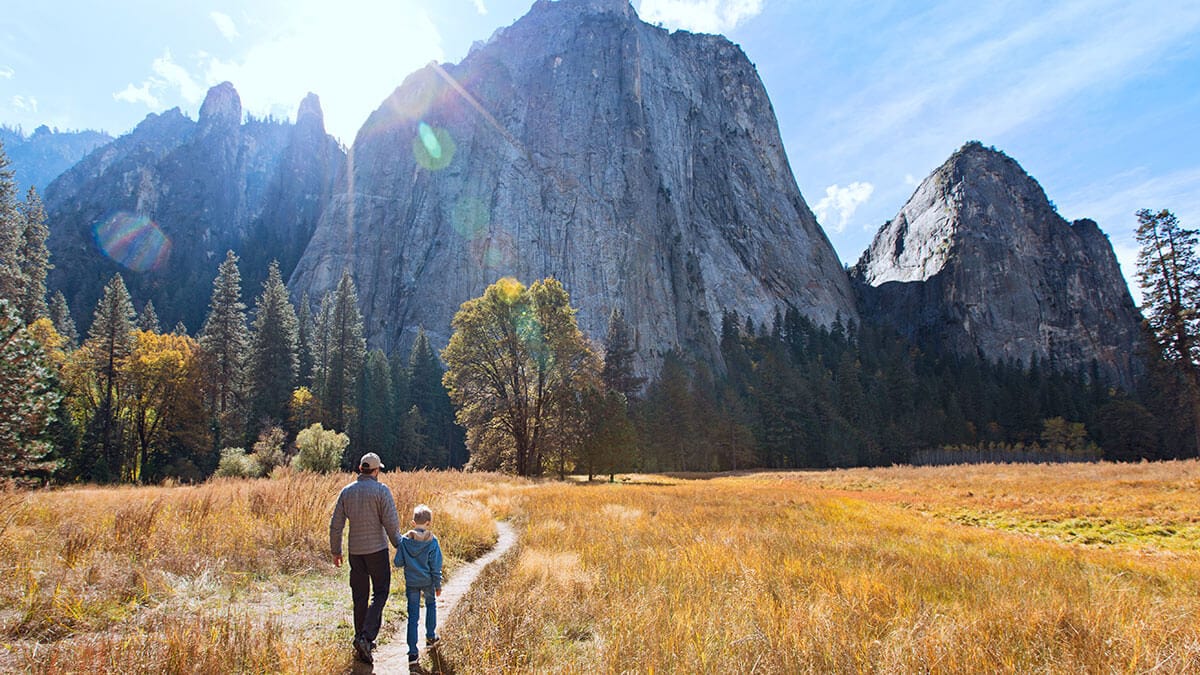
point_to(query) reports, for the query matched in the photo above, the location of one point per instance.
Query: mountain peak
(622, 7)
(310, 113)
(221, 105)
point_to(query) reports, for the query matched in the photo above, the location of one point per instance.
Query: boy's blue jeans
(414, 610)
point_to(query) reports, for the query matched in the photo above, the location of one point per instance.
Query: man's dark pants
(367, 571)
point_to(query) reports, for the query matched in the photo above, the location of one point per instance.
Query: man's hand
(337, 561)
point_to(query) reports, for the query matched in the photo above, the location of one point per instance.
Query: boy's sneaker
(430, 642)
(413, 660)
(362, 647)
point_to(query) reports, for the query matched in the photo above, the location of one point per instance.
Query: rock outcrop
(644, 169)
(162, 204)
(979, 262)
(41, 157)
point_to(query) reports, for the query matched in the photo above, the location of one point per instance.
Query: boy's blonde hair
(422, 515)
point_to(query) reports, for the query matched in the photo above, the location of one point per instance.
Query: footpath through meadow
(393, 656)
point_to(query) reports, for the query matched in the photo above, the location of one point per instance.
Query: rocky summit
(642, 168)
(979, 262)
(162, 204)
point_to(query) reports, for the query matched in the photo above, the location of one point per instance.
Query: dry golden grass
(848, 571)
(229, 576)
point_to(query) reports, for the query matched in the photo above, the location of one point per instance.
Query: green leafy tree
(225, 341)
(273, 361)
(515, 364)
(1169, 273)
(35, 258)
(319, 449)
(29, 397)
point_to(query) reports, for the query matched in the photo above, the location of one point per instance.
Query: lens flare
(470, 218)
(433, 148)
(133, 241)
(495, 252)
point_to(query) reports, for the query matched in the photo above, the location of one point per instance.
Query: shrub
(320, 449)
(235, 463)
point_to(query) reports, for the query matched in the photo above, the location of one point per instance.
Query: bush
(269, 449)
(320, 449)
(235, 463)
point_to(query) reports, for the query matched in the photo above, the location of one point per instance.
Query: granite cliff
(163, 203)
(979, 262)
(39, 158)
(642, 168)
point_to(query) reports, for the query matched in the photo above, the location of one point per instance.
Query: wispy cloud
(25, 103)
(132, 94)
(481, 8)
(225, 24)
(169, 80)
(7, 73)
(843, 201)
(701, 16)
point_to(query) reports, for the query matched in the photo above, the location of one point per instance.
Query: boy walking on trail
(421, 557)
(371, 510)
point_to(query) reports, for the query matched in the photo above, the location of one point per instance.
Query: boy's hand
(337, 561)
(438, 592)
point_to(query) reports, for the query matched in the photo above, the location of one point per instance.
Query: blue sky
(1098, 99)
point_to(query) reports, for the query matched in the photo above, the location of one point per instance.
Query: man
(369, 507)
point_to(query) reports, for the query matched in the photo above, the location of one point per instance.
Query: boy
(421, 557)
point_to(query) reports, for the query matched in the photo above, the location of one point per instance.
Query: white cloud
(844, 201)
(225, 24)
(700, 16)
(25, 103)
(7, 73)
(132, 94)
(480, 7)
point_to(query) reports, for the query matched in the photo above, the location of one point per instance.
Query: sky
(1099, 100)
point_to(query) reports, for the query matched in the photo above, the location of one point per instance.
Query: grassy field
(1065, 568)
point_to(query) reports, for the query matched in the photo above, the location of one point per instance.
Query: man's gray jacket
(369, 507)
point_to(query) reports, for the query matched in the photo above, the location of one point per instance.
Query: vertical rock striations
(163, 203)
(644, 169)
(978, 261)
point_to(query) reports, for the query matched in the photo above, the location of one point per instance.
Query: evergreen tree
(110, 342)
(148, 319)
(224, 340)
(29, 398)
(321, 335)
(12, 237)
(377, 428)
(60, 316)
(345, 352)
(619, 351)
(35, 258)
(1169, 273)
(304, 341)
(273, 361)
(443, 438)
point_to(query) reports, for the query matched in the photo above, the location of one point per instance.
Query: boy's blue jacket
(421, 557)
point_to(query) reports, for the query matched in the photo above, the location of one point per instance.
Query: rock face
(978, 261)
(41, 157)
(162, 204)
(643, 169)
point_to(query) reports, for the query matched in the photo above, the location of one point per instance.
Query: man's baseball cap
(370, 462)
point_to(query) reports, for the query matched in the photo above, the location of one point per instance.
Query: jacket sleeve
(337, 523)
(391, 519)
(435, 563)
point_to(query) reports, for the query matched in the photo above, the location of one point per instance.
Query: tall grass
(230, 576)
(835, 572)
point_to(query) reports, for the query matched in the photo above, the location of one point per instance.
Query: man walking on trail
(371, 510)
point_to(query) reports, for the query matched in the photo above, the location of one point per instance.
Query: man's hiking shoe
(362, 647)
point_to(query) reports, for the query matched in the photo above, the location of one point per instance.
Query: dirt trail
(393, 656)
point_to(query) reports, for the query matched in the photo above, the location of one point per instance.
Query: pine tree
(1169, 273)
(60, 316)
(148, 319)
(273, 352)
(12, 239)
(35, 258)
(619, 350)
(109, 343)
(342, 353)
(304, 341)
(29, 398)
(377, 418)
(224, 340)
(442, 437)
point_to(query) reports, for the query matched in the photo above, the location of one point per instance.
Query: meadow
(984, 568)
